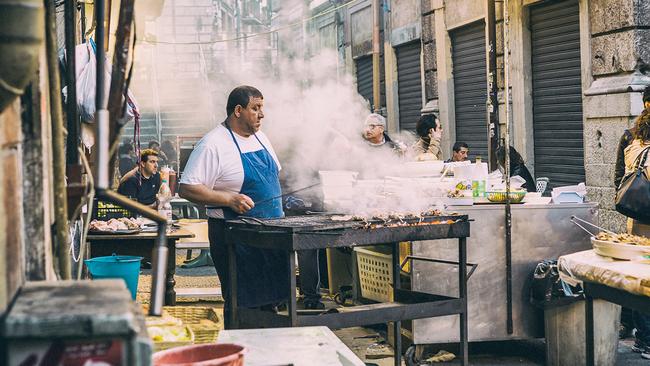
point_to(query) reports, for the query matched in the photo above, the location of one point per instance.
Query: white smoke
(314, 119)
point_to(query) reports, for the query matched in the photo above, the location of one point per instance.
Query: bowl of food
(516, 196)
(621, 246)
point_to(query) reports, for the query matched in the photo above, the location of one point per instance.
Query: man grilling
(234, 171)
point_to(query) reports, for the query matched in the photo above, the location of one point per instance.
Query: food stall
(539, 232)
(498, 295)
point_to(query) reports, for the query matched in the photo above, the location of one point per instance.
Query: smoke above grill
(313, 113)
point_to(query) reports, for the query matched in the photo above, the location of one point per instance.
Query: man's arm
(199, 193)
(128, 188)
(129, 174)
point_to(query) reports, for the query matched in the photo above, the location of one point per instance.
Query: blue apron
(262, 274)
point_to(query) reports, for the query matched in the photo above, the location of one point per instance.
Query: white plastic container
(422, 168)
(337, 177)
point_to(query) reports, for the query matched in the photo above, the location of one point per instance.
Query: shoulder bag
(633, 194)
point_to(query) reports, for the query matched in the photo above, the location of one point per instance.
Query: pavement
(369, 342)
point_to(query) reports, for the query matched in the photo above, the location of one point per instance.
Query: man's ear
(237, 111)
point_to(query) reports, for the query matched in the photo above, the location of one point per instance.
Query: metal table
(298, 346)
(296, 233)
(539, 232)
(142, 245)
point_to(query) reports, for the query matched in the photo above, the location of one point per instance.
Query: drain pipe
(506, 146)
(376, 48)
(160, 252)
(58, 146)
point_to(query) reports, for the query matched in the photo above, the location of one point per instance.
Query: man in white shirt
(231, 169)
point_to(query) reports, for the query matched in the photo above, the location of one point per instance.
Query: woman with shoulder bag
(634, 155)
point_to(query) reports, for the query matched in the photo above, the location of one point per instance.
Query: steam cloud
(314, 118)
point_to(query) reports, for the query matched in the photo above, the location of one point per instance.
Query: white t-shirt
(215, 161)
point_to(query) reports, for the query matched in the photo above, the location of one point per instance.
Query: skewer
(573, 218)
(444, 172)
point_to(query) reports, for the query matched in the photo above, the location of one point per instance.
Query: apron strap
(237, 144)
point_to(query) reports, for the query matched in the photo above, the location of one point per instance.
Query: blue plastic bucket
(126, 267)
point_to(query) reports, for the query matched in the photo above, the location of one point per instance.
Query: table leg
(232, 289)
(397, 326)
(462, 286)
(170, 283)
(589, 330)
(291, 305)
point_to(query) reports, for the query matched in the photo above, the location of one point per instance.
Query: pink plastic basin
(222, 354)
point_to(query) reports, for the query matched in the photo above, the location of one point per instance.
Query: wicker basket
(500, 197)
(203, 321)
(161, 346)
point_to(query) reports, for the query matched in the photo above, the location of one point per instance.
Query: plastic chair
(540, 184)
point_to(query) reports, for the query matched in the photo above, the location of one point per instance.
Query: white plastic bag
(86, 82)
(86, 69)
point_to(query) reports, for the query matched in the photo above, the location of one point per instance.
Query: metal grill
(317, 232)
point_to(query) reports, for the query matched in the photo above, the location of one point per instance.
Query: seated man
(142, 184)
(460, 152)
(429, 130)
(375, 134)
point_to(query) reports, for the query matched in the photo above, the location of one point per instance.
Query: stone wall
(618, 39)
(429, 51)
(619, 55)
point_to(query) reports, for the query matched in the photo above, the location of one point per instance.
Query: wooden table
(142, 245)
(626, 283)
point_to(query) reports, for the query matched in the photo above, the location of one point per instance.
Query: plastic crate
(375, 275)
(106, 210)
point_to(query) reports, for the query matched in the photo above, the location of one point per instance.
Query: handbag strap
(639, 163)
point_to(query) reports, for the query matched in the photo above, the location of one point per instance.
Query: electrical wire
(300, 22)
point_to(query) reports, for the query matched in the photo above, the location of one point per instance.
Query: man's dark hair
(146, 153)
(126, 148)
(425, 123)
(153, 143)
(646, 94)
(241, 95)
(459, 144)
(515, 157)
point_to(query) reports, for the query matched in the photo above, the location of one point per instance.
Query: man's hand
(240, 203)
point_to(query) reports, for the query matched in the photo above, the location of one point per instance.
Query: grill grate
(325, 222)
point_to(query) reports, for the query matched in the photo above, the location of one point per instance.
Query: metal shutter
(409, 84)
(470, 87)
(557, 93)
(364, 79)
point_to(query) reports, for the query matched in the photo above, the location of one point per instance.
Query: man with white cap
(374, 133)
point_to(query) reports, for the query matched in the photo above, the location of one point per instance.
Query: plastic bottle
(479, 181)
(164, 200)
(172, 181)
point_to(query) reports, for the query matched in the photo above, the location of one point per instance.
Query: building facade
(577, 69)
